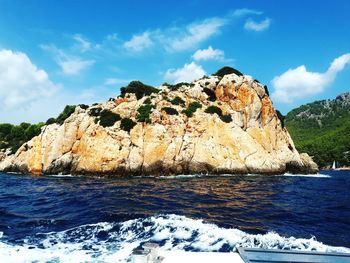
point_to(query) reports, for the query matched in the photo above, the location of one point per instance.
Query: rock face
(252, 140)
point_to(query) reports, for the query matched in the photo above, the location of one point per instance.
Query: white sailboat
(333, 166)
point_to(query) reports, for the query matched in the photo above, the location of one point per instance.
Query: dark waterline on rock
(298, 206)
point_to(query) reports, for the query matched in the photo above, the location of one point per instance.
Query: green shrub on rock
(108, 118)
(177, 101)
(227, 70)
(13, 136)
(191, 108)
(213, 110)
(83, 106)
(216, 110)
(50, 121)
(266, 90)
(147, 101)
(226, 118)
(139, 89)
(170, 111)
(210, 93)
(95, 112)
(127, 124)
(144, 112)
(177, 85)
(68, 110)
(281, 117)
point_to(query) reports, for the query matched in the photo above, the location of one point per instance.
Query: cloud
(188, 36)
(244, 12)
(139, 43)
(83, 44)
(257, 26)
(299, 83)
(21, 82)
(69, 64)
(187, 73)
(209, 54)
(194, 34)
(115, 81)
(73, 65)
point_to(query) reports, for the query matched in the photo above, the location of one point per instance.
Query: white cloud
(195, 33)
(21, 82)
(139, 42)
(245, 11)
(70, 65)
(115, 81)
(187, 73)
(73, 66)
(28, 95)
(209, 54)
(189, 36)
(83, 44)
(257, 26)
(299, 83)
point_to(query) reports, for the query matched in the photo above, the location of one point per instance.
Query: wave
(184, 176)
(61, 175)
(307, 175)
(114, 242)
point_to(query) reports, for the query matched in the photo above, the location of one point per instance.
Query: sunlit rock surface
(255, 141)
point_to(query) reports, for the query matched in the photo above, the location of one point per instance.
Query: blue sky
(54, 53)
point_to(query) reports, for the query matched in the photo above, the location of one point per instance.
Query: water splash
(114, 242)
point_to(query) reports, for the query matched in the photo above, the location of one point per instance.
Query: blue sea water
(84, 219)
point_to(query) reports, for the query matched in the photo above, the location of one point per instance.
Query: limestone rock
(254, 141)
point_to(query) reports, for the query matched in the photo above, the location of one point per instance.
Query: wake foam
(307, 175)
(114, 242)
(184, 176)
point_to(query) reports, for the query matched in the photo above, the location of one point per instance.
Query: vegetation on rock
(280, 117)
(13, 136)
(213, 110)
(107, 118)
(322, 130)
(170, 111)
(216, 110)
(144, 112)
(95, 112)
(210, 93)
(83, 106)
(227, 70)
(67, 111)
(139, 89)
(191, 108)
(127, 124)
(226, 118)
(177, 85)
(147, 101)
(177, 101)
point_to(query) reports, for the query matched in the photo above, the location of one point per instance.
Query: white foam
(173, 232)
(307, 175)
(181, 176)
(60, 175)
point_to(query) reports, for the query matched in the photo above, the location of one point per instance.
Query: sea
(62, 218)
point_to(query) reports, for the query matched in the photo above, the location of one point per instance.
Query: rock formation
(246, 135)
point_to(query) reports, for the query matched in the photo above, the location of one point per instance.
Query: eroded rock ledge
(251, 138)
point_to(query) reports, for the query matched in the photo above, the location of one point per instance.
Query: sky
(54, 53)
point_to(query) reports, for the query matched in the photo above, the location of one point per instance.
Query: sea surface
(83, 219)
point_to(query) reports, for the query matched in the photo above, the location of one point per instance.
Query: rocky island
(225, 123)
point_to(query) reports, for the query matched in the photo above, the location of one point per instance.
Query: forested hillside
(322, 129)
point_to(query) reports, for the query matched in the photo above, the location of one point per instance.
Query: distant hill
(322, 129)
